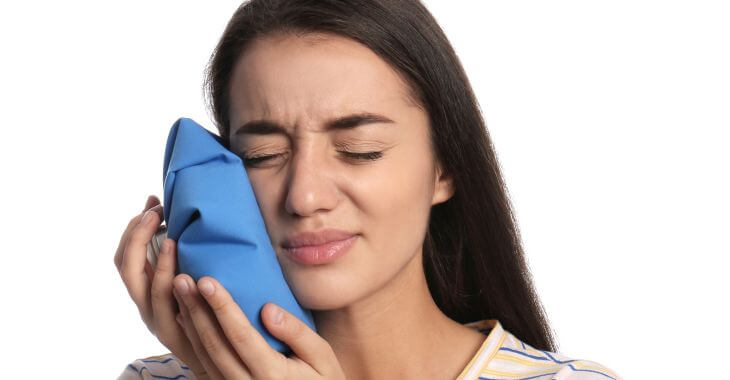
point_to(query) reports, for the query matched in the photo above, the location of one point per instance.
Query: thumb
(304, 342)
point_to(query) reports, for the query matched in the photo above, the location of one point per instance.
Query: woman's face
(312, 181)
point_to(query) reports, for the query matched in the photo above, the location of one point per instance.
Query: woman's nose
(310, 186)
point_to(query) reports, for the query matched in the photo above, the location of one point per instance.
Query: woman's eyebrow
(266, 127)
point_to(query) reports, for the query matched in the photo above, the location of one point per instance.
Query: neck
(398, 332)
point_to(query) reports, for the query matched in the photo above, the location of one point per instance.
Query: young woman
(355, 121)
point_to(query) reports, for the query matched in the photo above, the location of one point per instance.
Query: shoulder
(166, 366)
(504, 356)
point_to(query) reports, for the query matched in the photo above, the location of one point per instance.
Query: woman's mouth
(321, 254)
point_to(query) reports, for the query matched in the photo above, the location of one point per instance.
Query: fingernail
(181, 286)
(206, 287)
(146, 217)
(278, 315)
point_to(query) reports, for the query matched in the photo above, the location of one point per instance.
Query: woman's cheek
(398, 207)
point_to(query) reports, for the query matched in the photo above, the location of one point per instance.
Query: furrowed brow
(266, 127)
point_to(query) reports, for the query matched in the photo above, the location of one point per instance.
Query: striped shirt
(501, 356)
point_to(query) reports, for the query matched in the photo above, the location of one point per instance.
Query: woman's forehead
(278, 76)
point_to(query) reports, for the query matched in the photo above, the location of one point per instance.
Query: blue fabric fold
(211, 211)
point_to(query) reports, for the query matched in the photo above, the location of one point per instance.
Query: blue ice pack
(211, 211)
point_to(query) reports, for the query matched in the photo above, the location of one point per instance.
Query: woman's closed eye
(254, 160)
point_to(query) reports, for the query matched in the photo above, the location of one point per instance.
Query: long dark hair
(473, 257)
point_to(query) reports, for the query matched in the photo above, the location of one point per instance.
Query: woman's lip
(321, 254)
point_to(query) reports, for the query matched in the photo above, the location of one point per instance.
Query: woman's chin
(316, 299)
(318, 303)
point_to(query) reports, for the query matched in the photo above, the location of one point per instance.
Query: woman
(407, 176)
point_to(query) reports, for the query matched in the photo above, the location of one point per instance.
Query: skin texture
(371, 305)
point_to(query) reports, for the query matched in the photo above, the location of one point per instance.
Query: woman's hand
(229, 347)
(151, 288)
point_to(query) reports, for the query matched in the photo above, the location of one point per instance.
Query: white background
(610, 120)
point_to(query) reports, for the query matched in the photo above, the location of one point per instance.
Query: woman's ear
(443, 188)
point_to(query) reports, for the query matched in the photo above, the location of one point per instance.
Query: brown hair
(473, 257)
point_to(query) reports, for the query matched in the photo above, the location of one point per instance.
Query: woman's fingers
(151, 202)
(314, 356)
(208, 340)
(209, 369)
(165, 308)
(306, 344)
(262, 360)
(119, 254)
(134, 258)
